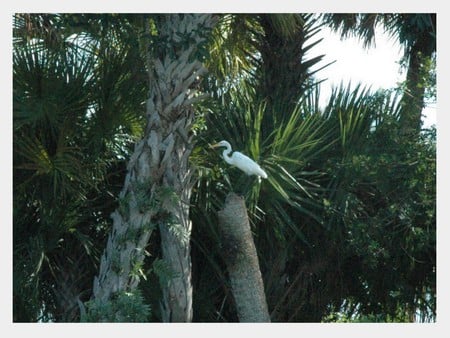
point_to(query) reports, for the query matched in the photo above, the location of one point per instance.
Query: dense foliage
(345, 226)
(76, 109)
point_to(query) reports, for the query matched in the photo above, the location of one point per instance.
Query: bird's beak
(214, 145)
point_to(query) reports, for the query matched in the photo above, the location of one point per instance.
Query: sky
(377, 66)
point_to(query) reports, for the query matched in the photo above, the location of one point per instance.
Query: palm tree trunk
(285, 72)
(413, 98)
(158, 183)
(242, 261)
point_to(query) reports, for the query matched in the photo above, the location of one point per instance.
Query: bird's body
(241, 161)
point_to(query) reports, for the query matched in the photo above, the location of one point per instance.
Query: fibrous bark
(158, 183)
(240, 256)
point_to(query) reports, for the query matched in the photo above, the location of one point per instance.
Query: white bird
(245, 163)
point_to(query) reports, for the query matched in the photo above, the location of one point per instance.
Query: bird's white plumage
(239, 160)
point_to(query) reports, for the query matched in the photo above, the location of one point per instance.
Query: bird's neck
(226, 155)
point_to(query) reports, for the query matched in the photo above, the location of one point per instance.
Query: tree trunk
(285, 72)
(242, 261)
(412, 102)
(413, 98)
(158, 183)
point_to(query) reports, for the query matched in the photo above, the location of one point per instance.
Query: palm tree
(306, 218)
(66, 162)
(282, 140)
(240, 255)
(158, 195)
(345, 221)
(157, 187)
(417, 33)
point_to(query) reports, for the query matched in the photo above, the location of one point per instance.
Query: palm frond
(232, 47)
(50, 87)
(358, 25)
(287, 25)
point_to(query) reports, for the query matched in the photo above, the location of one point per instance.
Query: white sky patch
(377, 66)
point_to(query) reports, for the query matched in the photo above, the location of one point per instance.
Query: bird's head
(220, 144)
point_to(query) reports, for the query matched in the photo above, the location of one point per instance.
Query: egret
(245, 163)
